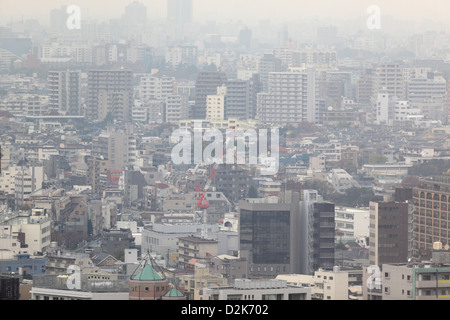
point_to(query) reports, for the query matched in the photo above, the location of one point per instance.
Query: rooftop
(148, 274)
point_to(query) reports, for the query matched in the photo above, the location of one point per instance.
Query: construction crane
(202, 202)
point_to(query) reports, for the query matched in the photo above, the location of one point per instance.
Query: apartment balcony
(431, 284)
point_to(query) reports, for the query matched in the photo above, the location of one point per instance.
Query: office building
(301, 234)
(269, 236)
(388, 239)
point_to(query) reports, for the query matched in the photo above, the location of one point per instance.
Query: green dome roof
(148, 274)
(174, 293)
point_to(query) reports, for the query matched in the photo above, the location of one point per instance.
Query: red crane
(202, 202)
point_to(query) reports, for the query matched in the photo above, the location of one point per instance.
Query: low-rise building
(324, 284)
(244, 289)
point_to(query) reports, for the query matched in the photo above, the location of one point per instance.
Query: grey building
(110, 92)
(241, 98)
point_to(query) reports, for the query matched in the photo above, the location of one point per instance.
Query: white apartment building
(8, 179)
(381, 110)
(426, 87)
(341, 180)
(65, 91)
(332, 151)
(36, 228)
(352, 224)
(156, 88)
(291, 98)
(244, 289)
(28, 179)
(20, 105)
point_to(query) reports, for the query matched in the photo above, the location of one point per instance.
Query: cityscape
(193, 151)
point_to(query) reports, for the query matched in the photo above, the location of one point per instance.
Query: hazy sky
(253, 10)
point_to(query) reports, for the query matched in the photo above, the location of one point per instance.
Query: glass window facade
(266, 234)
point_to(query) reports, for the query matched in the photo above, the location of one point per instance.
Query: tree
(377, 159)
(119, 254)
(410, 182)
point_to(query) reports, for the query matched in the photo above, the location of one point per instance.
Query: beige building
(194, 283)
(193, 247)
(215, 104)
(428, 280)
(324, 284)
(32, 231)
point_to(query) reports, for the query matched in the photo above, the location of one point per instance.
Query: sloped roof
(174, 293)
(148, 274)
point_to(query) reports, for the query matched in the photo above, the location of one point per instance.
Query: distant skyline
(244, 10)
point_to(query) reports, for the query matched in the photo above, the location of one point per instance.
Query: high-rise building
(156, 88)
(389, 77)
(430, 215)
(286, 234)
(135, 14)
(180, 11)
(65, 91)
(28, 179)
(206, 84)
(291, 98)
(388, 232)
(215, 104)
(364, 87)
(269, 236)
(241, 98)
(110, 92)
(118, 146)
(58, 18)
(177, 108)
(268, 63)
